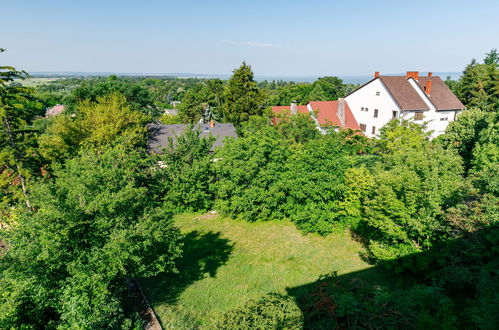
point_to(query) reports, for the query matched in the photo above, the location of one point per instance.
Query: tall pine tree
(243, 98)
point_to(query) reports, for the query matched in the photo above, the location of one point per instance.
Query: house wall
(432, 117)
(366, 97)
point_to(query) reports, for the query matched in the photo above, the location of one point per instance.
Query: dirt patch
(208, 215)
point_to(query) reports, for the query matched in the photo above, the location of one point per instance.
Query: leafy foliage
(184, 174)
(136, 96)
(106, 122)
(94, 226)
(272, 311)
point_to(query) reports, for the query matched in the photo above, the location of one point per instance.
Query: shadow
(203, 254)
(455, 284)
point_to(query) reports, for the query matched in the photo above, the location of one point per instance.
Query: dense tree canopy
(95, 225)
(107, 121)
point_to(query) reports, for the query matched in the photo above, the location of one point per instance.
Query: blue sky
(287, 38)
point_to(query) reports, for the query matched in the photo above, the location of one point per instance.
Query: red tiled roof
(55, 110)
(328, 114)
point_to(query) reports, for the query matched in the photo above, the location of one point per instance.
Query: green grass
(228, 262)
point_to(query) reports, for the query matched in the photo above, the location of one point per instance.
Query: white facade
(375, 96)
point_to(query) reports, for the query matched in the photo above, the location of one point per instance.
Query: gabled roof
(407, 98)
(160, 134)
(440, 94)
(328, 114)
(403, 93)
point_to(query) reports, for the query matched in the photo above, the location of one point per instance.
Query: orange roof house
(324, 113)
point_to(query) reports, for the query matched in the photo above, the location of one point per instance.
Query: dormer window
(377, 93)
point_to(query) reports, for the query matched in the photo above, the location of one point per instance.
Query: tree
(17, 110)
(107, 121)
(247, 172)
(462, 134)
(492, 58)
(242, 96)
(298, 128)
(138, 97)
(95, 226)
(185, 176)
(413, 183)
(479, 83)
(327, 89)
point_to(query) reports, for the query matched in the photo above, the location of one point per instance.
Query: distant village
(421, 99)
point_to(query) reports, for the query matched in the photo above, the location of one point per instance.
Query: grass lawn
(227, 262)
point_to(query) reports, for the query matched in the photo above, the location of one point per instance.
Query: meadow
(227, 262)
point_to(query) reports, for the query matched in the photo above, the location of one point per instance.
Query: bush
(273, 311)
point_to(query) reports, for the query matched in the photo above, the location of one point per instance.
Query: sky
(281, 37)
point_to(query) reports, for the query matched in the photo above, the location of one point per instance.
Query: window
(374, 130)
(375, 113)
(418, 115)
(444, 119)
(377, 93)
(367, 109)
(362, 109)
(362, 127)
(394, 114)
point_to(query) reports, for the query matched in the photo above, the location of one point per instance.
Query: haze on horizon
(286, 38)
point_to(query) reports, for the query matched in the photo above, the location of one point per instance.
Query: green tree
(107, 121)
(479, 83)
(17, 143)
(412, 184)
(247, 172)
(463, 133)
(138, 97)
(242, 96)
(185, 175)
(492, 58)
(298, 128)
(95, 226)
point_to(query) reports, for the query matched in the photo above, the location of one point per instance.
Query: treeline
(86, 209)
(153, 95)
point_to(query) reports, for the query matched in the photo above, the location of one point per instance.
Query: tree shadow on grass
(203, 254)
(441, 285)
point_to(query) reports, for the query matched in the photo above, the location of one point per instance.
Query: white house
(413, 97)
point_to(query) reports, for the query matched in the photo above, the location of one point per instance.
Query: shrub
(272, 311)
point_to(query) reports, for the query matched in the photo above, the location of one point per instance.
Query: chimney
(212, 123)
(430, 74)
(376, 74)
(341, 110)
(412, 74)
(427, 88)
(294, 108)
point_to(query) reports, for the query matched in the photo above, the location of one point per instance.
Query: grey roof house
(161, 134)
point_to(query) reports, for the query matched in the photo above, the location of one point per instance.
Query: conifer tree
(243, 98)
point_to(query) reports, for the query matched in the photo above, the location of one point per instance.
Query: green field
(227, 262)
(33, 82)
